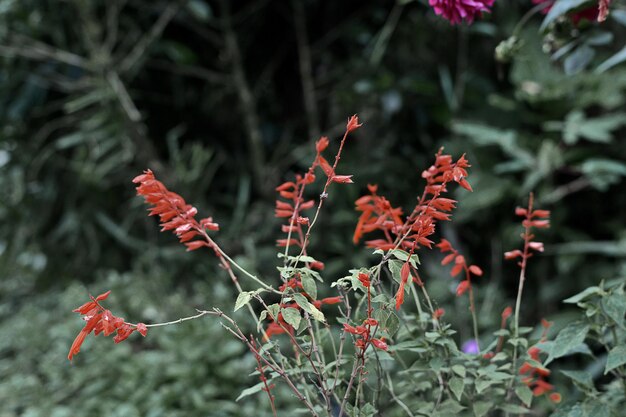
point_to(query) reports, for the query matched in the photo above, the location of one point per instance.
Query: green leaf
(394, 268)
(584, 294)
(243, 298)
(568, 339)
(483, 384)
(481, 408)
(309, 286)
(615, 307)
(514, 409)
(617, 357)
(457, 385)
(308, 307)
(603, 172)
(578, 60)
(273, 310)
(582, 378)
(292, 316)
(524, 394)
(598, 129)
(617, 58)
(249, 391)
(392, 324)
(449, 408)
(559, 8)
(459, 370)
(200, 10)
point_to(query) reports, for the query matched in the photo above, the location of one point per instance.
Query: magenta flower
(458, 10)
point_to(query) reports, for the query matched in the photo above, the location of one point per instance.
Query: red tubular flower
(437, 314)
(99, 320)
(174, 213)
(380, 344)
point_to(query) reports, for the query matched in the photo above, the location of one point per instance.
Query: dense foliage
(224, 100)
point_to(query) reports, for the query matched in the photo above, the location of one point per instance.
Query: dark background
(223, 101)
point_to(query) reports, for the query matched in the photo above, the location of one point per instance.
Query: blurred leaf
(559, 8)
(616, 59)
(582, 378)
(597, 129)
(578, 60)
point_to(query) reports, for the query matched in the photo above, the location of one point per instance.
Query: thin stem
(472, 307)
(395, 398)
(200, 314)
(522, 277)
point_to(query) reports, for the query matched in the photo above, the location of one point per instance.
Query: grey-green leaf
(524, 394)
(308, 307)
(456, 386)
(242, 299)
(568, 339)
(617, 357)
(292, 316)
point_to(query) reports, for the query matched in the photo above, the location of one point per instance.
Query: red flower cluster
(99, 320)
(174, 213)
(458, 10)
(378, 214)
(293, 191)
(364, 333)
(532, 218)
(535, 376)
(459, 265)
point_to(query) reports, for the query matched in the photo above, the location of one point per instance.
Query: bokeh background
(223, 100)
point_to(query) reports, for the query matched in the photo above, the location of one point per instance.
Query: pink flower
(458, 10)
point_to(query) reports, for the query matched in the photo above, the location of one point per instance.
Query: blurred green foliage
(223, 100)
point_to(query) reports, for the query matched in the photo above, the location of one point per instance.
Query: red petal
(342, 179)
(462, 288)
(448, 259)
(142, 329)
(379, 344)
(103, 296)
(476, 270)
(456, 270)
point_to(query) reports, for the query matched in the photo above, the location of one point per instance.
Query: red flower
(353, 123)
(437, 314)
(365, 280)
(462, 288)
(380, 344)
(174, 213)
(99, 320)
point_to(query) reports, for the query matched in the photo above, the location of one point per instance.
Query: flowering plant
(366, 350)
